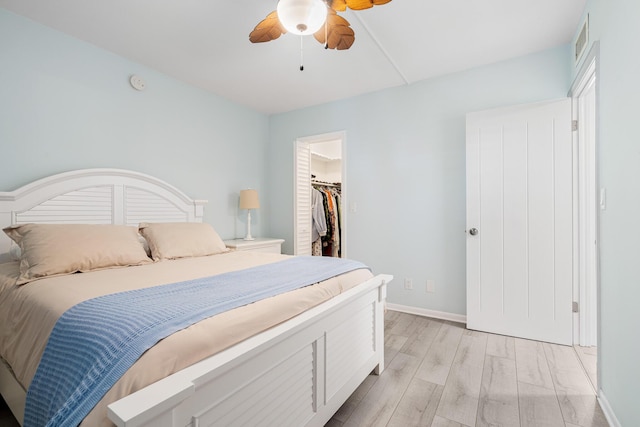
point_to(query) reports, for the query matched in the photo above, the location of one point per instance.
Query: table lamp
(249, 200)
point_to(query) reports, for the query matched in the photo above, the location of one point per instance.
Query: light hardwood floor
(589, 357)
(440, 374)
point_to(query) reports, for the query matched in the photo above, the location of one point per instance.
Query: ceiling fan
(317, 17)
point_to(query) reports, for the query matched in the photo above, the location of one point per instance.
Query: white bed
(337, 343)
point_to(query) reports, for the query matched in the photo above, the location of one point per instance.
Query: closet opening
(320, 195)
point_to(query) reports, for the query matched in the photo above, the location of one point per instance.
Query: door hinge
(575, 307)
(574, 125)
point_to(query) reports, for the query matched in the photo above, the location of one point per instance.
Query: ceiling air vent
(582, 40)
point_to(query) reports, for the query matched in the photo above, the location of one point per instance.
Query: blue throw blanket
(95, 342)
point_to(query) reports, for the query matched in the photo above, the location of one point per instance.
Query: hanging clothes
(331, 200)
(337, 235)
(316, 247)
(319, 222)
(328, 241)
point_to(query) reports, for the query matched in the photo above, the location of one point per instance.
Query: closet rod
(326, 184)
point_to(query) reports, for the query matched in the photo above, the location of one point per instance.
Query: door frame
(315, 139)
(585, 291)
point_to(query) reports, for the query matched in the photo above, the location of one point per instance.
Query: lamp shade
(249, 199)
(302, 17)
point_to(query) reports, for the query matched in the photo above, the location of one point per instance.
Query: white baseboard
(459, 318)
(608, 412)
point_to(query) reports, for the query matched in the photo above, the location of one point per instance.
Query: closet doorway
(320, 167)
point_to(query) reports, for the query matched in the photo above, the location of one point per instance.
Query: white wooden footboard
(296, 374)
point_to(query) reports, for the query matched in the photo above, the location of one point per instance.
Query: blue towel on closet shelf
(95, 342)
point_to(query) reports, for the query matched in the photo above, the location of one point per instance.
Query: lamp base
(249, 236)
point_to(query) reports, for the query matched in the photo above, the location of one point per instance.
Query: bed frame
(296, 374)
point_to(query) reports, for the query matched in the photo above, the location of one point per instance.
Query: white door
(302, 202)
(519, 221)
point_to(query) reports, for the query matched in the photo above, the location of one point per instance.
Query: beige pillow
(181, 239)
(57, 249)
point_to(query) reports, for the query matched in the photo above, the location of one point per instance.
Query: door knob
(473, 231)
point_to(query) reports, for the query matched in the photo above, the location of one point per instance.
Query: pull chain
(301, 50)
(326, 33)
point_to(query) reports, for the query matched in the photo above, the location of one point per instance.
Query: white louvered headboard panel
(87, 206)
(142, 205)
(96, 196)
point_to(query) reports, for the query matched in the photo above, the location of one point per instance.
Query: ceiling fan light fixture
(302, 17)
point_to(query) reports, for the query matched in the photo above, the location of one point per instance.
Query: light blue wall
(615, 24)
(406, 169)
(66, 104)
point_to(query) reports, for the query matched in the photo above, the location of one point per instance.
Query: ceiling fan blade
(337, 5)
(341, 38)
(339, 33)
(364, 4)
(268, 29)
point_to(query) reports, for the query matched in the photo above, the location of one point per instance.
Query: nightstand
(260, 244)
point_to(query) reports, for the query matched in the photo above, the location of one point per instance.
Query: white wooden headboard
(96, 196)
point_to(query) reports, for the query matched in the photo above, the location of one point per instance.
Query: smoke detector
(136, 82)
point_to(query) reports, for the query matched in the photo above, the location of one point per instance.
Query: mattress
(29, 312)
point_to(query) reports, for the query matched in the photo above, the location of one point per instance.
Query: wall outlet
(431, 286)
(408, 283)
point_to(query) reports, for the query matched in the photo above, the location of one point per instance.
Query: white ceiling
(205, 43)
